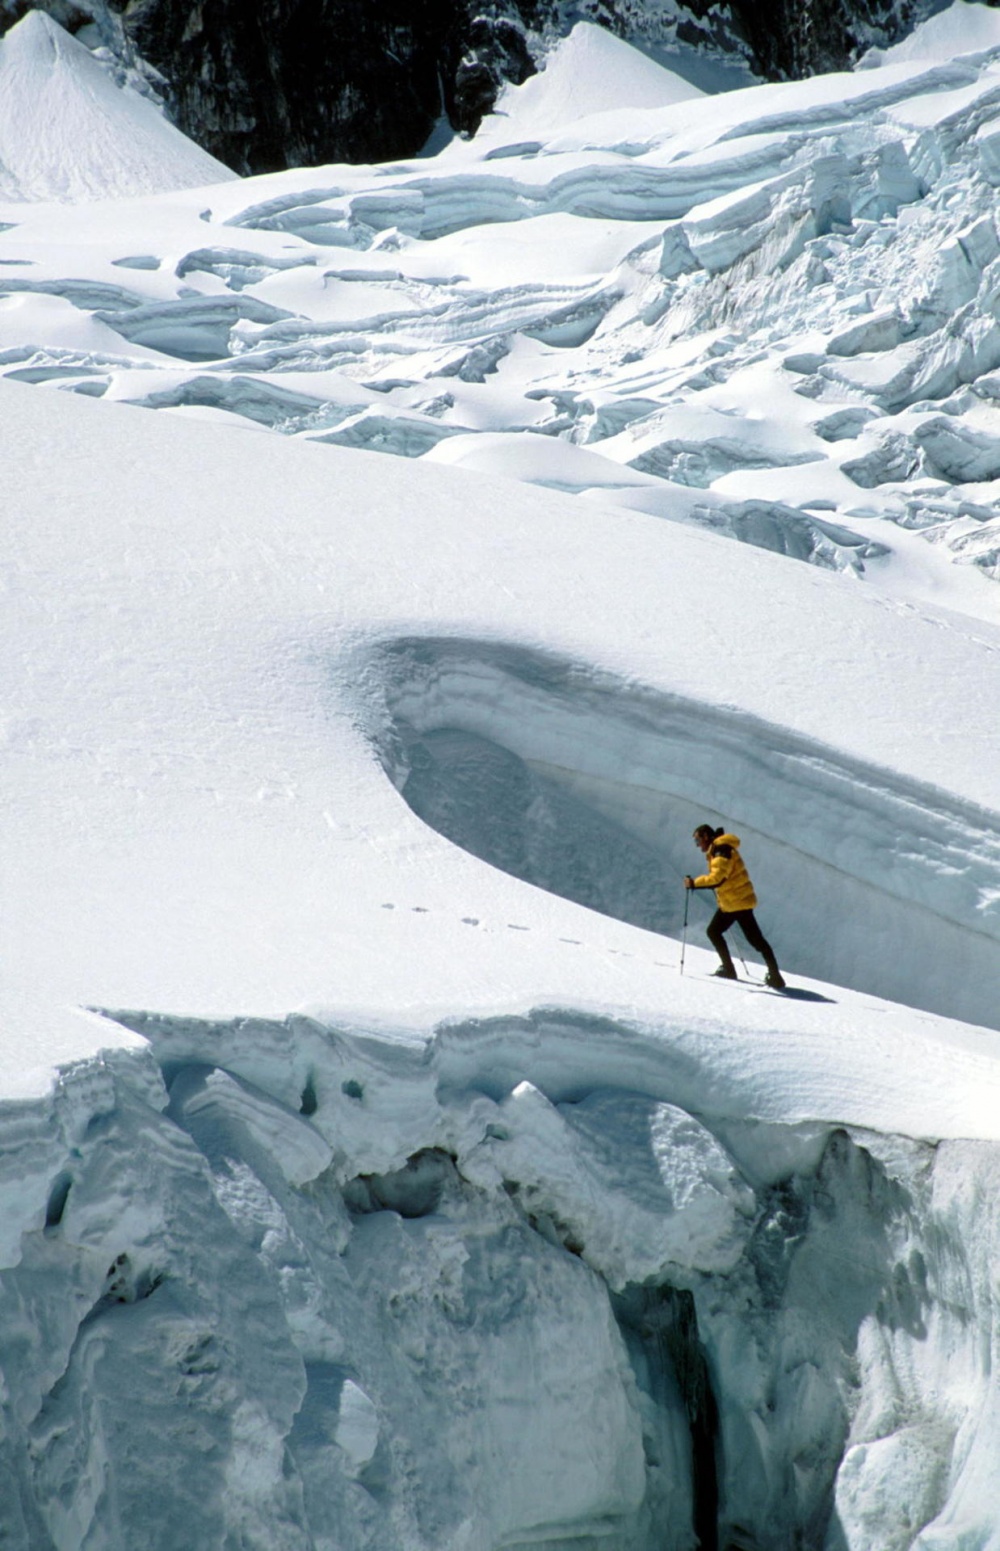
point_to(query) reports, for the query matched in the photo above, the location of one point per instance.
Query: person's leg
(755, 937)
(716, 930)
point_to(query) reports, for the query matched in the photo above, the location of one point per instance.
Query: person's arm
(721, 859)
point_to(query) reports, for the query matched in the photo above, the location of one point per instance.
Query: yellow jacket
(727, 874)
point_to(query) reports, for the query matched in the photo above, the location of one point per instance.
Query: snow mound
(963, 28)
(589, 72)
(68, 133)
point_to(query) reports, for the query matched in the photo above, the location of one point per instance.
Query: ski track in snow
(369, 1174)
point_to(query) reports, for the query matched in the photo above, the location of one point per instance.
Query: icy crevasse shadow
(590, 788)
(491, 802)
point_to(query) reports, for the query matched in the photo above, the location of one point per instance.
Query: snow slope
(185, 719)
(68, 132)
(370, 1174)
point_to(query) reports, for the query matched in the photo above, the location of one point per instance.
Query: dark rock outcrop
(497, 51)
(794, 38)
(279, 83)
(275, 84)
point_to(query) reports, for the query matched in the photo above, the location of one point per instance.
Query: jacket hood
(726, 840)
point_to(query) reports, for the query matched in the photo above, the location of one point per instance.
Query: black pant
(719, 926)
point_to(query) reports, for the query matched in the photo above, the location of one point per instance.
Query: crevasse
(302, 1286)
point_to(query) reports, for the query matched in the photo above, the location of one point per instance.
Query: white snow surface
(68, 132)
(370, 1172)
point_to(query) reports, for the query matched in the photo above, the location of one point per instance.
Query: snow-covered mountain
(370, 1174)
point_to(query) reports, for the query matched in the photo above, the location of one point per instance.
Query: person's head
(704, 835)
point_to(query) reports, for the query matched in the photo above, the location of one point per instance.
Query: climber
(735, 899)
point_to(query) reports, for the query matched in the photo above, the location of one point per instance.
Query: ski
(791, 993)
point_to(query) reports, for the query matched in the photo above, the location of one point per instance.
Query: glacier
(398, 562)
(827, 245)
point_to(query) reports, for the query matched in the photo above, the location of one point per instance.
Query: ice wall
(291, 1285)
(865, 878)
